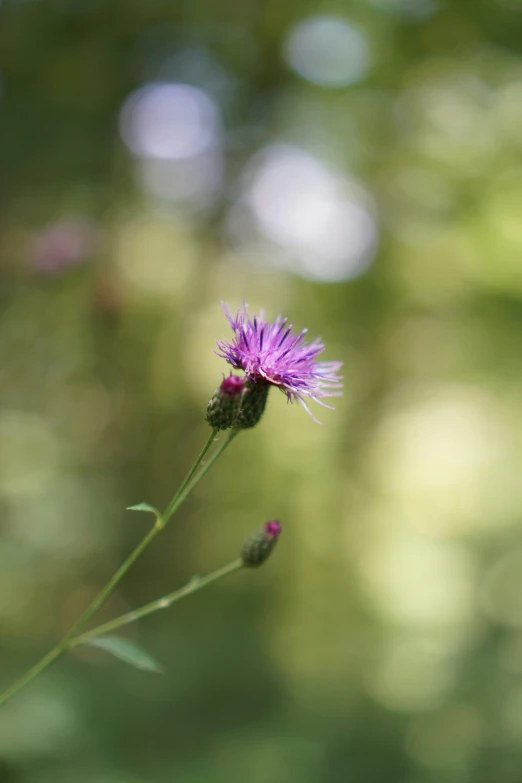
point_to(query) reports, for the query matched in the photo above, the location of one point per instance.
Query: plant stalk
(189, 483)
(195, 584)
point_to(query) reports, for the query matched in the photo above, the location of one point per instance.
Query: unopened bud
(258, 547)
(223, 408)
(238, 403)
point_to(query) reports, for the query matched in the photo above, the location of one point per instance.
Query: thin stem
(195, 584)
(170, 508)
(111, 585)
(32, 673)
(187, 488)
(189, 483)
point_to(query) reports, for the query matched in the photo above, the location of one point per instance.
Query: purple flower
(271, 353)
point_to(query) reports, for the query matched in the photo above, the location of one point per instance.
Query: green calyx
(258, 548)
(238, 411)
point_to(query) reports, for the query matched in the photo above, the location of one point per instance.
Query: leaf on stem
(145, 507)
(128, 652)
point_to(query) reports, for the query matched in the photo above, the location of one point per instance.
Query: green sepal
(145, 507)
(257, 549)
(127, 651)
(239, 411)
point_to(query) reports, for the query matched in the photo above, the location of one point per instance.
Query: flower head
(272, 354)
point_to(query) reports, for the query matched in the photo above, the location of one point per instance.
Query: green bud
(238, 404)
(258, 547)
(223, 409)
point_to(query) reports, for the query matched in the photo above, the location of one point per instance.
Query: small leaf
(128, 652)
(145, 507)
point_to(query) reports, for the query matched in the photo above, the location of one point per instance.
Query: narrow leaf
(145, 507)
(128, 652)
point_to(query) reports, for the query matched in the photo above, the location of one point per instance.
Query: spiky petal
(272, 353)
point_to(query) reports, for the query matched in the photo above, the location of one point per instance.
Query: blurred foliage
(383, 640)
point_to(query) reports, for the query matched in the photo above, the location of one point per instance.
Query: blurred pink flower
(63, 245)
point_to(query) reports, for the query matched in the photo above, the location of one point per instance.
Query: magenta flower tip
(271, 353)
(233, 385)
(273, 529)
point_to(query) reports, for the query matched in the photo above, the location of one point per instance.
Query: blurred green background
(356, 166)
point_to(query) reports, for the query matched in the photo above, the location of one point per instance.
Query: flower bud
(223, 408)
(258, 547)
(238, 403)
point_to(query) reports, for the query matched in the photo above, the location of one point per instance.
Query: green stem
(186, 481)
(195, 584)
(187, 487)
(183, 492)
(37, 669)
(181, 496)
(176, 501)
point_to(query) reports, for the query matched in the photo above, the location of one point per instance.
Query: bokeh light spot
(416, 580)
(169, 121)
(327, 51)
(323, 222)
(412, 676)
